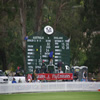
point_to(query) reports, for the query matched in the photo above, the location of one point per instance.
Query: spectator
(18, 71)
(14, 81)
(43, 69)
(19, 81)
(84, 76)
(29, 80)
(59, 67)
(75, 76)
(35, 75)
(90, 77)
(60, 70)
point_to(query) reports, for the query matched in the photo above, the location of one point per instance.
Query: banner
(48, 76)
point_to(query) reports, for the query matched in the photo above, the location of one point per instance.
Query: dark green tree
(93, 55)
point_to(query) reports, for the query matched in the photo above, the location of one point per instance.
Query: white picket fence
(49, 86)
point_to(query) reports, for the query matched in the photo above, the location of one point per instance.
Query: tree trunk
(3, 59)
(23, 23)
(39, 15)
(59, 12)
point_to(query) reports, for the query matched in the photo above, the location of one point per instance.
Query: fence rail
(49, 86)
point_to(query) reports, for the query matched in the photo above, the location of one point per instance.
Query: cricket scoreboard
(39, 46)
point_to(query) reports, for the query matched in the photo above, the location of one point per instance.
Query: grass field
(53, 96)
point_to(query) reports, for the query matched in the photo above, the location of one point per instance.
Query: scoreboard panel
(38, 48)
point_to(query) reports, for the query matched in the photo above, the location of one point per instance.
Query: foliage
(71, 17)
(10, 35)
(94, 54)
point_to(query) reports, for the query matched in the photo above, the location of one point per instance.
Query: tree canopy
(77, 19)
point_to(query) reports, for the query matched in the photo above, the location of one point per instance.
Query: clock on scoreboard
(39, 45)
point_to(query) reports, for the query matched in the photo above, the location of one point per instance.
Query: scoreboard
(38, 48)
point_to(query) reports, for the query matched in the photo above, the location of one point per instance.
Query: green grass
(53, 96)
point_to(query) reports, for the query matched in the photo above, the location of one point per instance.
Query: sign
(59, 76)
(38, 48)
(48, 30)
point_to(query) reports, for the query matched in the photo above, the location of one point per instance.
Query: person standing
(51, 58)
(84, 76)
(43, 69)
(59, 67)
(75, 75)
(14, 81)
(35, 75)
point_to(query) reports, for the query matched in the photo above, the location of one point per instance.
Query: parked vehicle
(3, 78)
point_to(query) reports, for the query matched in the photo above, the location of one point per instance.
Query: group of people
(76, 76)
(59, 65)
(44, 69)
(14, 80)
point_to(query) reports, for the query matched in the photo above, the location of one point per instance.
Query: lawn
(52, 96)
